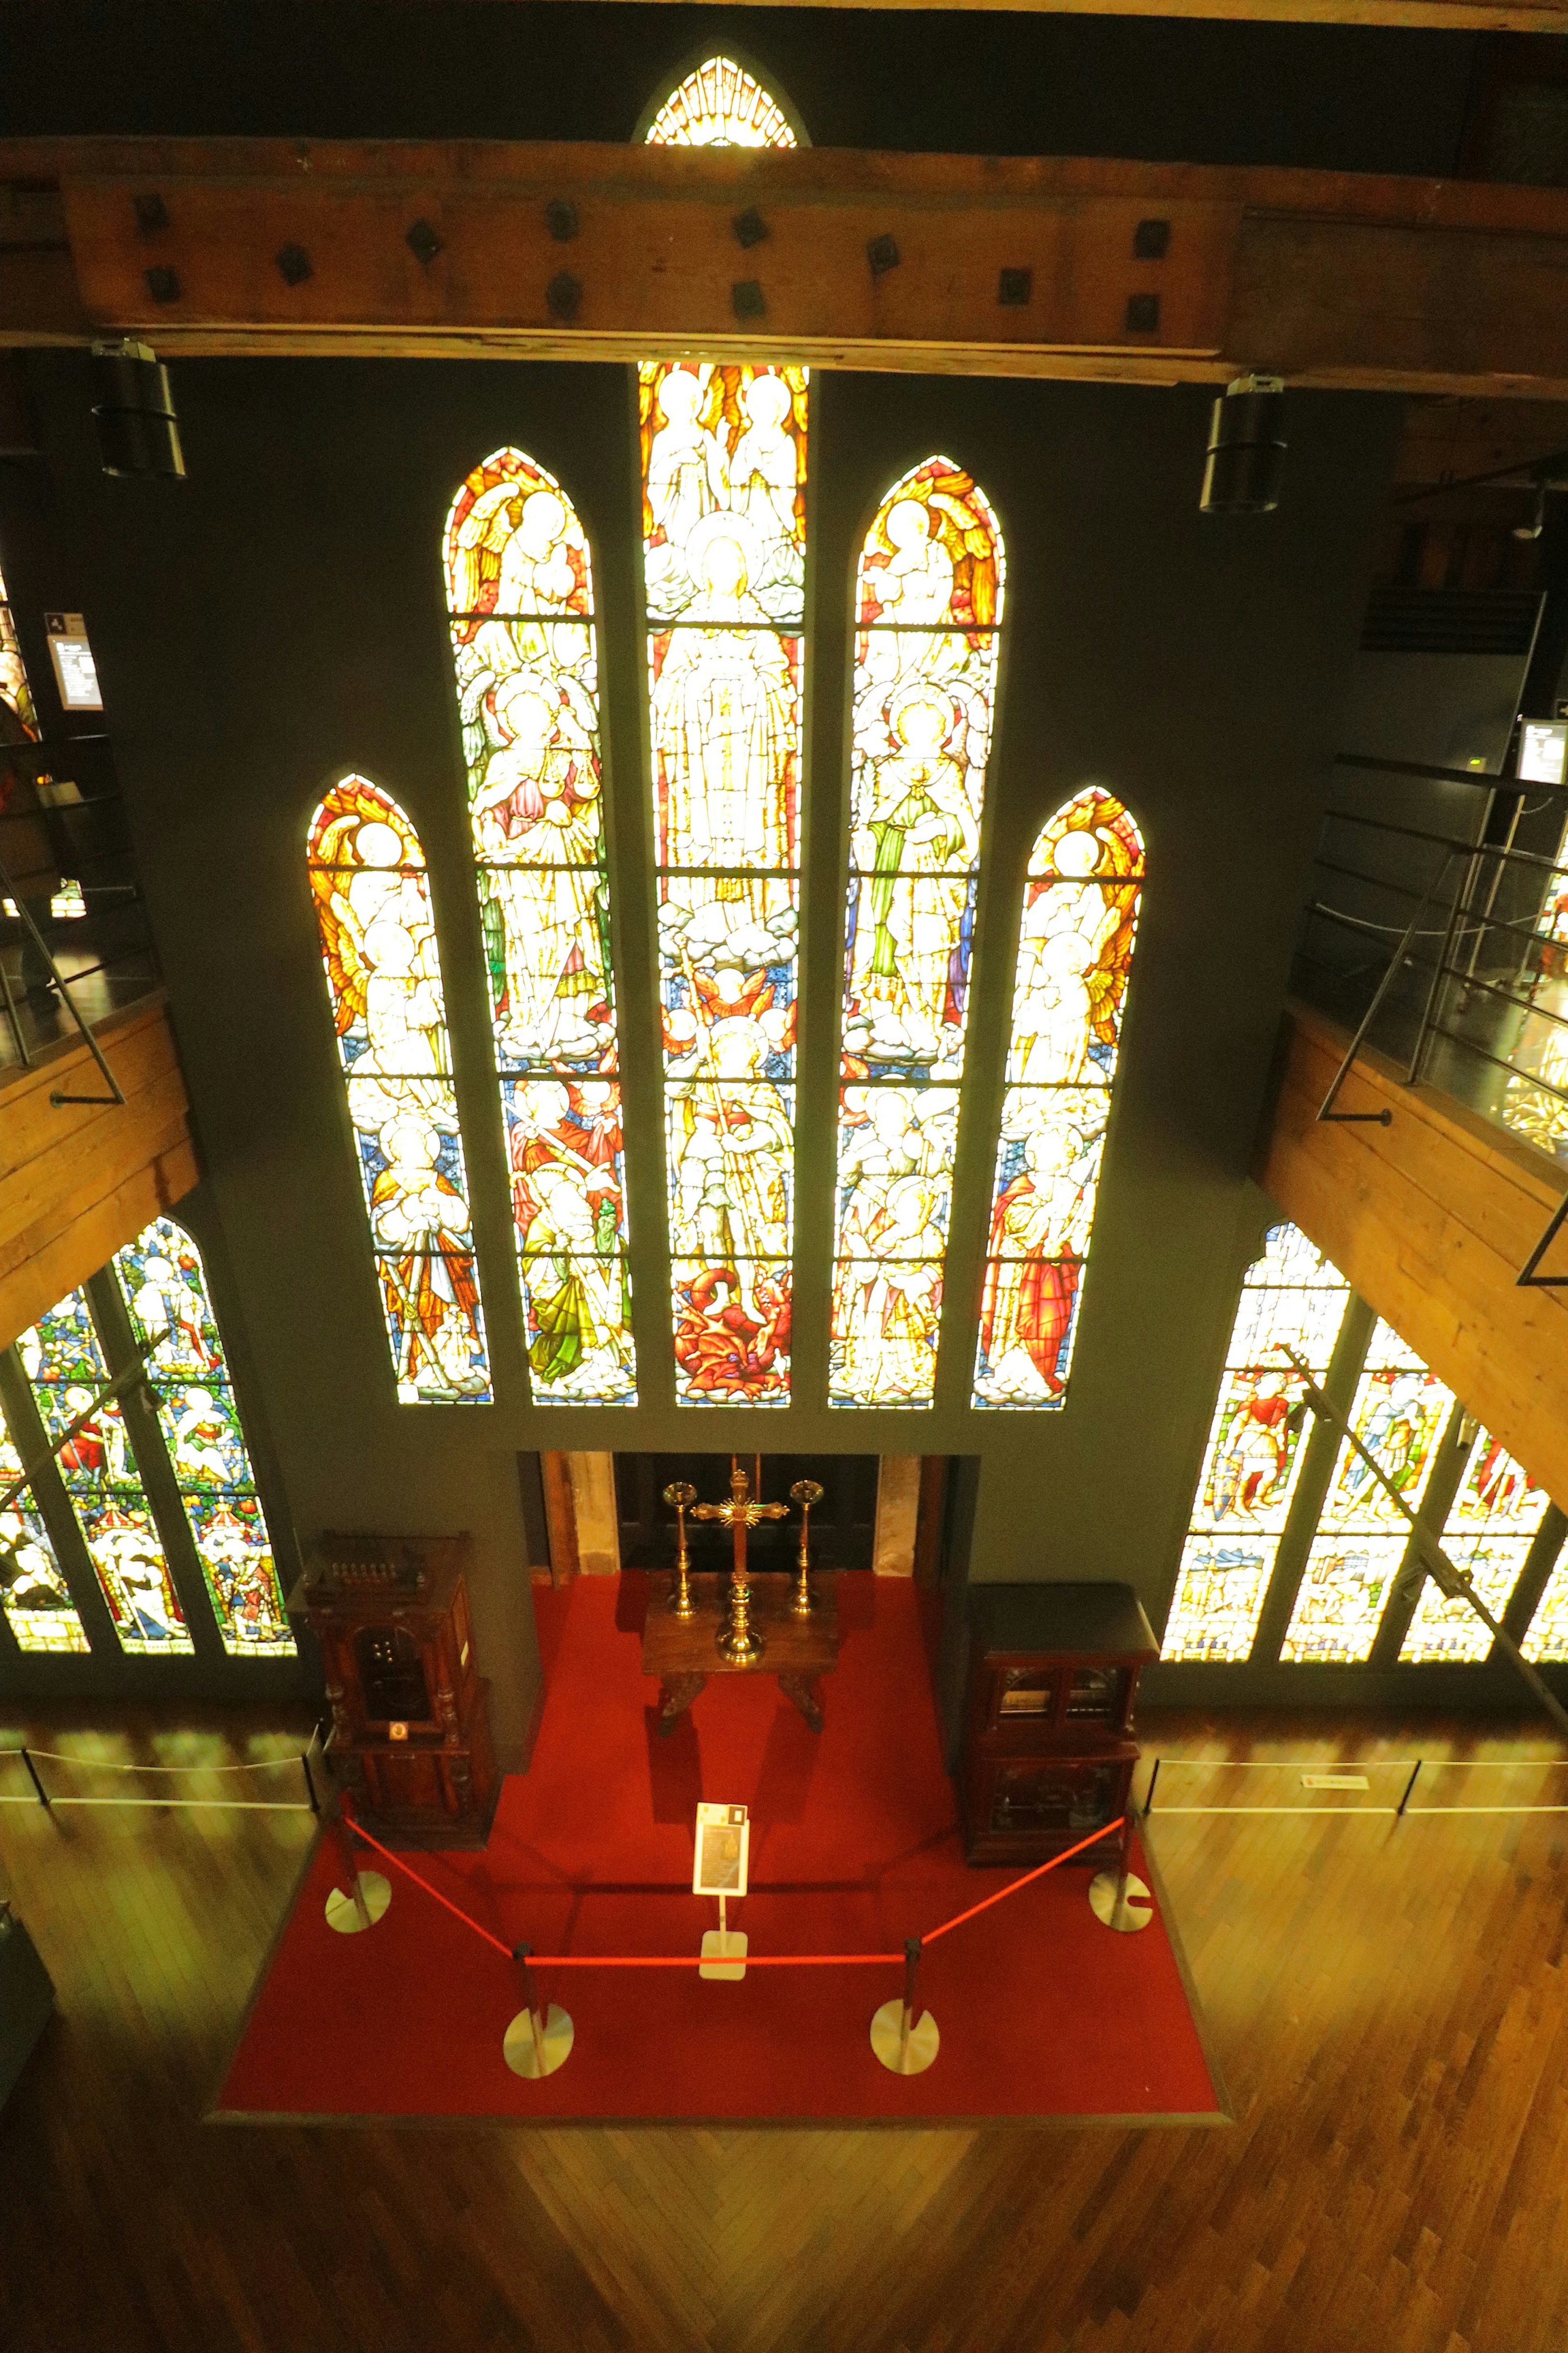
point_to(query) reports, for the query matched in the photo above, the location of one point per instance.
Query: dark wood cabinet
(1047, 1752)
(410, 1738)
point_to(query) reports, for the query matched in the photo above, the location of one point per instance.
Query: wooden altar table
(683, 1651)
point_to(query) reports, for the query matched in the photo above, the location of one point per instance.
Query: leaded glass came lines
(1075, 954)
(1491, 1526)
(1292, 1295)
(723, 472)
(33, 1590)
(383, 970)
(15, 693)
(163, 1283)
(520, 593)
(719, 104)
(927, 617)
(1398, 1414)
(64, 1360)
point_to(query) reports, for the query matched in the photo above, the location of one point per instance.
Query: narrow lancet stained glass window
(928, 617)
(723, 456)
(15, 693)
(719, 104)
(1548, 1636)
(1491, 1526)
(383, 969)
(520, 593)
(1294, 1296)
(1074, 953)
(1398, 1414)
(164, 1284)
(37, 1603)
(64, 1360)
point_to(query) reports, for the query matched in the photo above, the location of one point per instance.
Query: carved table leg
(675, 1693)
(798, 1688)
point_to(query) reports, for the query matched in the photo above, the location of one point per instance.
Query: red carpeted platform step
(854, 1847)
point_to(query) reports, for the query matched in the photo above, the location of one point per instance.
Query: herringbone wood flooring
(1388, 2002)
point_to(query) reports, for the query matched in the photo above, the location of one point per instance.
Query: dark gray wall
(277, 620)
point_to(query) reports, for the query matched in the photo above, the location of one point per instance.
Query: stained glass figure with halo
(1074, 955)
(929, 595)
(723, 472)
(519, 590)
(1291, 1293)
(164, 1284)
(377, 930)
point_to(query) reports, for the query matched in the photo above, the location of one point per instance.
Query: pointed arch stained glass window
(929, 595)
(1075, 954)
(723, 469)
(1491, 1526)
(719, 104)
(164, 1287)
(36, 1600)
(1292, 1295)
(1398, 1414)
(377, 929)
(520, 591)
(15, 693)
(65, 1362)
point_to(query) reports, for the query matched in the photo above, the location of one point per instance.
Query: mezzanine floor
(1388, 2002)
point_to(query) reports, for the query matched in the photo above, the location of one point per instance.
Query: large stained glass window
(383, 969)
(14, 689)
(64, 1360)
(719, 104)
(520, 594)
(164, 1284)
(1075, 952)
(724, 471)
(1292, 1295)
(1491, 1526)
(1398, 1414)
(33, 1590)
(928, 616)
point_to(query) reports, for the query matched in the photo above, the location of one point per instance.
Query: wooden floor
(1387, 1999)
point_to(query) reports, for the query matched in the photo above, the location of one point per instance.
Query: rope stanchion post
(906, 2044)
(360, 1903)
(1108, 1891)
(1153, 1785)
(1409, 1790)
(537, 2040)
(33, 1775)
(310, 1797)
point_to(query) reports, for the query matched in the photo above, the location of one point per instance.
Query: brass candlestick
(805, 1491)
(680, 1603)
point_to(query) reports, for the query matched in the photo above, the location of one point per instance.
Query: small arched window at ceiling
(164, 1284)
(1293, 1297)
(520, 592)
(720, 104)
(372, 895)
(65, 1363)
(1075, 954)
(928, 629)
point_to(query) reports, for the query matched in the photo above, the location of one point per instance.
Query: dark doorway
(843, 1525)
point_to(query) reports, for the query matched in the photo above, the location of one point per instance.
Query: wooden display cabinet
(1047, 1751)
(411, 1738)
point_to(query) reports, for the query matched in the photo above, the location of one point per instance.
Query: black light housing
(1247, 448)
(133, 409)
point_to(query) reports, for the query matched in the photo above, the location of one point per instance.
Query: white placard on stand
(718, 1868)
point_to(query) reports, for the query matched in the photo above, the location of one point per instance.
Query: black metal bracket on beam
(1527, 1279)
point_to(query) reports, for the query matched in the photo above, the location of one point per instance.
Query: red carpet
(1042, 2012)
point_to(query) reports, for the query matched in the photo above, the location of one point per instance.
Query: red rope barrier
(986, 1900)
(456, 1910)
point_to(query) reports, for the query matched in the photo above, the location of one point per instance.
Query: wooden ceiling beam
(1130, 272)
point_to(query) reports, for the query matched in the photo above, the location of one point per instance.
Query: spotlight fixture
(138, 432)
(1247, 448)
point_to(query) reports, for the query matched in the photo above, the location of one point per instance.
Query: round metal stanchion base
(522, 2053)
(887, 2034)
(343, 1913)
(1137, 1907)
(723, 1954)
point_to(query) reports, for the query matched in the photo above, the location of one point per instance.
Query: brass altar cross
(739, 1640)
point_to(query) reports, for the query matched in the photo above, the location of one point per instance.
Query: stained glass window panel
(1292, 1295)
(929, 597)
(723, 472)
(64, 1360)
(1491, 1526)
(1548, 1636)
(33, 1588)
(383, 970)
(519, 589)
(14, 689)
(165, 1286)
(1075, 954)
(719, 104)
(1398, 1414)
